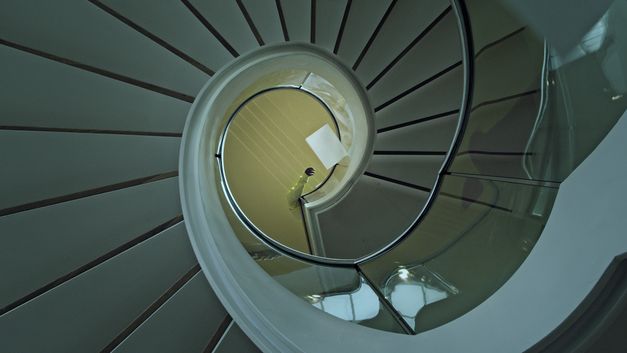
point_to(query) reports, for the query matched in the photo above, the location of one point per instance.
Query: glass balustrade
(533, 113)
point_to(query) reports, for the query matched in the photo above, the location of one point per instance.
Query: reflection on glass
(590, 43)
(411, 289)
(539, 119)
(586, 94)
(358, 305)
(505, 105)
(338, 291)
(476, 234)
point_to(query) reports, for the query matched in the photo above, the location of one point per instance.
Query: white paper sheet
(326, 146)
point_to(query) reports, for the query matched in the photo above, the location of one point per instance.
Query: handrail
(231, 199)
(459, 8)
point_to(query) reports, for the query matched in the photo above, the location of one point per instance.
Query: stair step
(229, 21)
(45, 165)
(173, 23)
(441, 95)
(363, 18)
(80, 31)
(438, 49)
(350, 230)
(47, 245)
(42, 94)
(406, 20)
(235, 341)
(96, 306)
(185, 323)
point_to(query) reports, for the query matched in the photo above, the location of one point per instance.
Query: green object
(297, 190)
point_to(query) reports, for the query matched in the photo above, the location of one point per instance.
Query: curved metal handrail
(464, 112)
(231, 199)
(464, 26)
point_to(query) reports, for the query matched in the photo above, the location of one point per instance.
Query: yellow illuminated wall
(264, 154)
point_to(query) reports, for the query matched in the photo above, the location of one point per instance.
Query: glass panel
(490, 22)
(586, 95)
(538, 119)
(338, 291)
(409, 290)
(473, 238)
(505, 103)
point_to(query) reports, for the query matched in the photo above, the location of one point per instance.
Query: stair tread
(349, 230)
(67, 97)
(420, 170)
(404, 23)
(185, 323)
(435, 135)
(50, 242)
(441, 95)
(236, 341)
(437, 50)
(172, 22)
(80, 31)
(363, 18)
(229, 21)
(96, 306)
(64, 163)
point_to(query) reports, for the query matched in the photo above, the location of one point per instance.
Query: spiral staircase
(473, 134)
